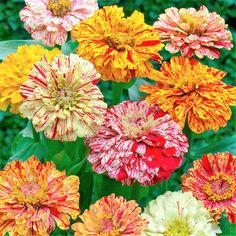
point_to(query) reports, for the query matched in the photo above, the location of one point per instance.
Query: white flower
(178, 214)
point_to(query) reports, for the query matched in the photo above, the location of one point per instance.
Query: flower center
(59, 7)
(30, 192)
(220, 187)
(119, 41)
(108, 227)
(136, 124)
(194, 21)
(178, 228)
(64, 95)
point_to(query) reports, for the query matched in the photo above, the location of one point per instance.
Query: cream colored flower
(61, 98)
(178, 214)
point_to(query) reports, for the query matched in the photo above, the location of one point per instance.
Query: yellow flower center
(220, 187)
(178, 228)
(30, 192)
(64, 95)
(119, 41)
(59, 7)
(194, 21)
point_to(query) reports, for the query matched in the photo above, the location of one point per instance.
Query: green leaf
(76, 168)
(133, 91)
(107, 2)
(62, 160)
(105, 186)
(226, 227)
(86, 187)
(130, 83)
(223, 145)
(69, 47)
(24, 145)
(10, 46)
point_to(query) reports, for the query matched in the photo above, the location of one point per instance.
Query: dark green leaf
(76, 168)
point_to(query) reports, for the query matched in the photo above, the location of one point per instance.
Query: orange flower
(36, 197)
(118, 47)
(187, 89)
(111, 216)
(213, 181)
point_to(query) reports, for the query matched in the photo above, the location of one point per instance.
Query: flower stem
(117, 90)
(188, 132)
(36, 135)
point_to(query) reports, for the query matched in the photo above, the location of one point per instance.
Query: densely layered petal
(177, 213)
(61, 98)
(137, 142)
(51, 20)
(15, 69)
(113, 216)
(118, 47)
(187, 89)
(212, 180)
(36, 197)
(201, 33)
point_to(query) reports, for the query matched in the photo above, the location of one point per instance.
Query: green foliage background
(10, 125)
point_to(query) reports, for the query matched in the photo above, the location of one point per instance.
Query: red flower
(137, 142)
(213, 181)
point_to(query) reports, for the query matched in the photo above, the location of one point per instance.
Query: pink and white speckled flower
(50, 20)
(193, 32)
(137, 142)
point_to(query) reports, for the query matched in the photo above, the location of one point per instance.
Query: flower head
(213, 181)
(61, 98)
(137, 142)
(35, 198)
(178, 214)
(15, 69)
(186, 88)
(111, 216)
(118, 47)
(199, 33)
(50, 20)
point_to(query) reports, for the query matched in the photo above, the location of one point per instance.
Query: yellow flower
(14, 70)
(35, 198)
(186, 89)
(118, 47)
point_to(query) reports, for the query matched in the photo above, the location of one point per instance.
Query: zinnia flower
(61, 98)
(213, 181)
(15, 69)
(186, 89)
(118, 47)
(137, 142)
(50, 20)
(177, 213)
(35, 198)
(199, 33)
(111, 216)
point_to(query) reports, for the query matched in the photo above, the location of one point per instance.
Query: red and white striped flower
(61, 98)
(212, 180)
(137, 142)
(51, 20)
